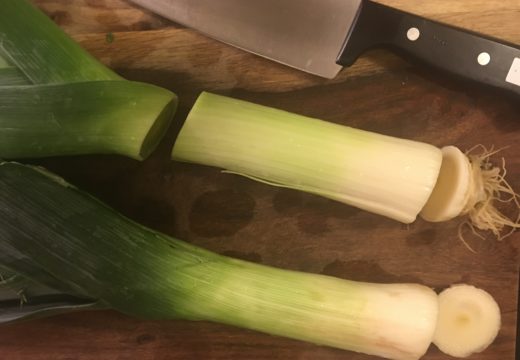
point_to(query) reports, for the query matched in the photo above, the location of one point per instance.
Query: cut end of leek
(470, 185)
(452, 188)
(158, 129)
(98, 117)
(469, 321)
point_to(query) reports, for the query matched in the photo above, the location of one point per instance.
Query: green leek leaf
(74, 104)
(108, 117)
(9, 76)
(23, 299)
(43, 306)
(3, 62)
(42, 51)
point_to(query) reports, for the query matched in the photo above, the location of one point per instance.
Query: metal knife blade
(321, 36)
(305, 34)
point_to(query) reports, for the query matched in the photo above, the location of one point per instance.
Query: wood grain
(277, 227)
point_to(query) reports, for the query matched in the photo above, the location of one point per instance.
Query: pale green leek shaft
(382, 174)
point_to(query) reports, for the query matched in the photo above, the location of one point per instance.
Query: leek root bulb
(470, 185)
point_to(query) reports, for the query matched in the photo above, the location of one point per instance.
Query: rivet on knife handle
(461, 52)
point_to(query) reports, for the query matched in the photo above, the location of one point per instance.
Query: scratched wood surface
(278, 227)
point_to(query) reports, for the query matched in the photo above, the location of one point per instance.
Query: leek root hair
(488, 186)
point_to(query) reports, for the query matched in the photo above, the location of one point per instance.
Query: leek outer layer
(33, 43)
(11, 75)
(22, 299)
(93, 250)
(381, 174)
(102, 117)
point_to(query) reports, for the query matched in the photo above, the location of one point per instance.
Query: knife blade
(322, 36)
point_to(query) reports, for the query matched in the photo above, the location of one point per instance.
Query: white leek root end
(450, 194)
(470, 185)
(468, 322)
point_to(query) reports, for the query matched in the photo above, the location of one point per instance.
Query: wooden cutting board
(245, 219)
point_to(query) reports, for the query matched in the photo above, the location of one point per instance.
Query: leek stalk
(381, 174)
(110, 117)
(56, 99)
(389, 176)
(91, 249)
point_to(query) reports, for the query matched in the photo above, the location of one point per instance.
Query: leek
(42, 51)
(56, 99)
(91, 249)
(23, 299)
(110, 117)
(10, 75)
(3, 62)
(381, 174)
(393, 177)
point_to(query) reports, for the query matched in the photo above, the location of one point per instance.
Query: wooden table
(238, 217)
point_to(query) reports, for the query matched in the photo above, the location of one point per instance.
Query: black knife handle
(461, 52)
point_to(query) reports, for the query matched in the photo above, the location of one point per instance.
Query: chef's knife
(321, 36)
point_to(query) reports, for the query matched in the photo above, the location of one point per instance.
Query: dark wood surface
(283, 228)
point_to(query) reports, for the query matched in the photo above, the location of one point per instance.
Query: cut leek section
(385, 175)
(469, 321)
(102, 117)
(91, 249)
(389, 176)
(56, 99)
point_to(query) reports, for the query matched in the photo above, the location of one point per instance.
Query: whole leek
(91, 249)
(56, 99)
